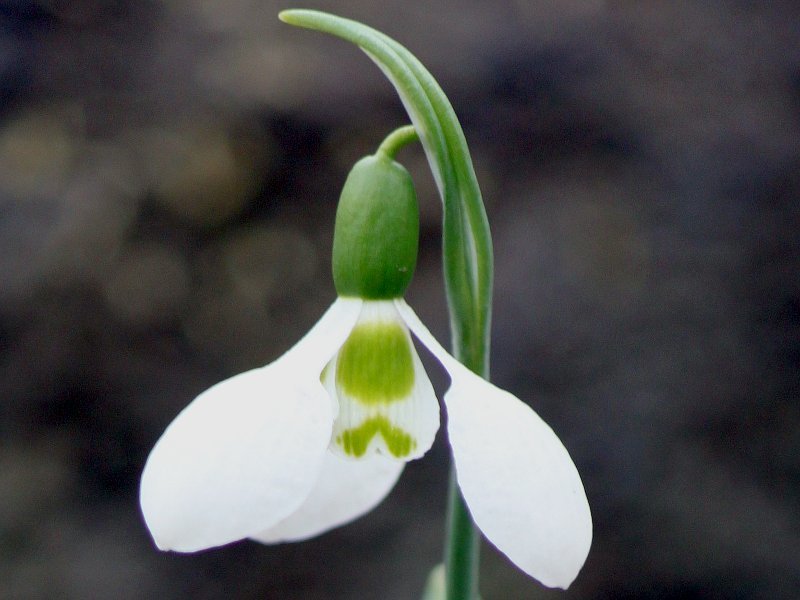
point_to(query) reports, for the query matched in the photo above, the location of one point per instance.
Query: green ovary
(375, 364)
(355, 441)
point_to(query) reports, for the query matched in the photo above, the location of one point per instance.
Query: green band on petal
(375, 364)
(355, 441)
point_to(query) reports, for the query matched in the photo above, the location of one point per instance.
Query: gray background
(169, 172)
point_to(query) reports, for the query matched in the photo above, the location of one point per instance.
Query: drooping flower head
(320, 436)
(385, 401)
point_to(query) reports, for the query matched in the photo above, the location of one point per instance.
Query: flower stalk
(462, 547)
(395, 141)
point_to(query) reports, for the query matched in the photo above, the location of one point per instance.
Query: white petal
(247, 451)
(413, 417)
(346, 489)
(518, 480)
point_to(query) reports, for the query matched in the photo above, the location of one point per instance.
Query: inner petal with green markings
(385, 399)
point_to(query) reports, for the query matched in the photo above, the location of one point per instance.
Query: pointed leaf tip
(287, 15)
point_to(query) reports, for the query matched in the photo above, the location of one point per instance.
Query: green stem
(400, 137)
(462, 547)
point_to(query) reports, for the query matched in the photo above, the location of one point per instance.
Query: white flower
(320, 436)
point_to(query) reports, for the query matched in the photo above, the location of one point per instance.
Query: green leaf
(436, 586)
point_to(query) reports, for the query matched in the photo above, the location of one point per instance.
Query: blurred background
(169, 171)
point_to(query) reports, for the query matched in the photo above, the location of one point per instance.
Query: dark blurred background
(169, 171)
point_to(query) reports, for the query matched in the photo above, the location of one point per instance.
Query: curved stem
(400, 137)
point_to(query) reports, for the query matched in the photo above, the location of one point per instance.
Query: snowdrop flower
(320, 436)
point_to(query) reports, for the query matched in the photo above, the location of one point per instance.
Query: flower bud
(377, 231)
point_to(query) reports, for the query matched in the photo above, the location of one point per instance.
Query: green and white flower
(320, 436)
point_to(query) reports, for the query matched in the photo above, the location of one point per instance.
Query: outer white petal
(518, 480)
(247, 451)
(346, 489)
